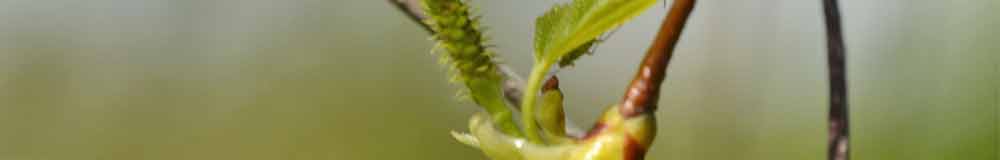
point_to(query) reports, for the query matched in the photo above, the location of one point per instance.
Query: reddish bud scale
(633, 149)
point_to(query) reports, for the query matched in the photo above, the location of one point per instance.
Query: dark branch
(838, 118)
(644, 91)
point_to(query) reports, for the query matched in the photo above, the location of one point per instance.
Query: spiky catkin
(461, 39)
(461, 42)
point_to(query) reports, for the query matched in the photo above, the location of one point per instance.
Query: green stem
(487, 92)
(528, 103)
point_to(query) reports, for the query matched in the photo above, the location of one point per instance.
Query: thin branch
(838, 145)
(512, 86)
(513, 83)
(413, 10)
(644, 91)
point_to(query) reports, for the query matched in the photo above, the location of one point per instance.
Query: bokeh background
(354, 80)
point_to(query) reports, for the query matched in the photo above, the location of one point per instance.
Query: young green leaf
(565, 28)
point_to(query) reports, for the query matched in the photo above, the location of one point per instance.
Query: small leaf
(566, 27)
(563, 29)
(465, 138)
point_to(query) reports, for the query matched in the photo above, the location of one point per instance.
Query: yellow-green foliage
(565, 28)
(563, 34)
(610, 144)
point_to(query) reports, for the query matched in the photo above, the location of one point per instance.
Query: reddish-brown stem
(643, 93)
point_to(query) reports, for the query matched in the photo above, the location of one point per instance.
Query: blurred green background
(353, 80)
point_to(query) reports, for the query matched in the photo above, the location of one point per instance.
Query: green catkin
(460, 38)
(461, 41)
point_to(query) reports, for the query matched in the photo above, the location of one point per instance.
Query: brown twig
(644, 91)
(838, 139)
(413, 10)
